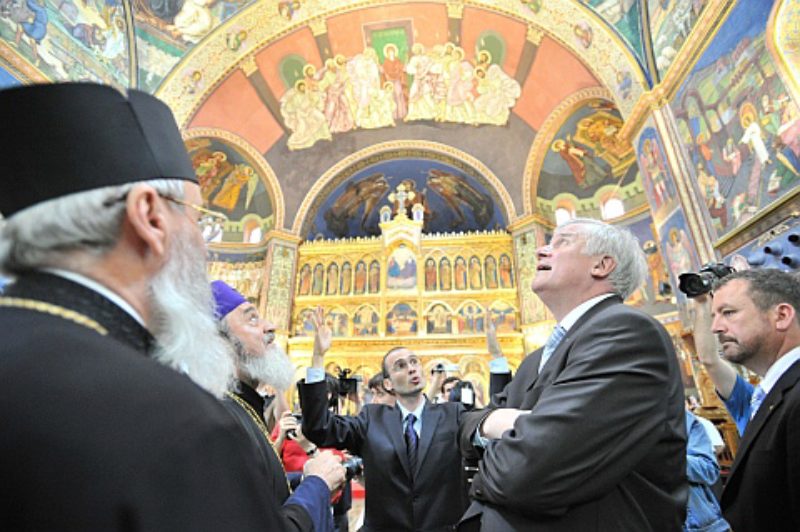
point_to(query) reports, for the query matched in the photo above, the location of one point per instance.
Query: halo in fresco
(231, 184)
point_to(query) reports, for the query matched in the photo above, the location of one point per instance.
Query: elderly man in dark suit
(590, 433)
(755, 318)
(413, 469)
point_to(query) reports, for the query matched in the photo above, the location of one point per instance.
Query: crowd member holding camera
(260, 361)
(734, 391)
(755, 317)
(590, 434)
(410, 451)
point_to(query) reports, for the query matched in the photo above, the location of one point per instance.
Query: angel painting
(241, 176)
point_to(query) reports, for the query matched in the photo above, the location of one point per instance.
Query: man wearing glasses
(110, 292)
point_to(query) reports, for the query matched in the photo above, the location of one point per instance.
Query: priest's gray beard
(272, 366)
(183, 319)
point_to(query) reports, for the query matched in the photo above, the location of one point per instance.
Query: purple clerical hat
(226, 298)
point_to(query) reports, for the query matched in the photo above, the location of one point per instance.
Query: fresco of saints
(506, 274)
(365, 80)
(445, 275)
(365, 322)
(424, 70)
(439, 320)
(497, 94)
(304, 286)
(394, 73)
(651, 164)
(302, 112)
(361, 278)
(715, 201)
(491, 272)
(430, 275)
(732, 156)
(346, 280)
(584, 168)
(338, 102)
(460, 83)
(316, 285)
(228, 196)
(475, 274)
(461, 273)
(374, 277)
(679, 253)
(210, 168)
(333, 279)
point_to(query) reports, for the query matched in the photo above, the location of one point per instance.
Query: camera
(463, 392)
(353, 467)
(438, 368)
(346, 384)
(696, 284)
(293, 433)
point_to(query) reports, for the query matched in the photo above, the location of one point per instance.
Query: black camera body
(696, 284)
(463, 392)
(438, 368)
(346, 384)
(353, 467)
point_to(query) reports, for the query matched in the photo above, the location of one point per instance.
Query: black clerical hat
(63, 138)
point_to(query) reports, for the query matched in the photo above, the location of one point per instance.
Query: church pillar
(533, 40)
(256, 79)
(529, 233)
(320, 31)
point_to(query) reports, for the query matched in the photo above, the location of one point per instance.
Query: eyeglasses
(210, 222)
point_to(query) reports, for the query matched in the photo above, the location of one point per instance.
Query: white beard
(183, 319)
(272, 366)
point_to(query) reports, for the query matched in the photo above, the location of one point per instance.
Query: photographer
(734, 391)
(410, 453)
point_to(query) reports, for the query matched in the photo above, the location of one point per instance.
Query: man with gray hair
(590, 433)
(101, 237)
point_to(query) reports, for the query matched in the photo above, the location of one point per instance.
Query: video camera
(345, 384)
(463, 392)
(696, 284)
(353, 467)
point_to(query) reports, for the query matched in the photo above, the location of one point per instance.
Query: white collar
(417, 411)
(575, 314)
(104, 291)
(778, 368)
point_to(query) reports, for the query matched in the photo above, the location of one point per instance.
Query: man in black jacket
(101, 237)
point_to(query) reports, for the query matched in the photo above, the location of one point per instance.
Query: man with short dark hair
(756, 320)
(100, 233)
(590, 434)
(259, 360)
(410, 451)
(447, 386)
(380, 395)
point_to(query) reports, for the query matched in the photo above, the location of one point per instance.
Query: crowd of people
(133, 388)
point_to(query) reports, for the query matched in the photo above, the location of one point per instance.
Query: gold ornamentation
(455, 9)
(318, 26)
(53, 310)
(249, 66)
(534, 34)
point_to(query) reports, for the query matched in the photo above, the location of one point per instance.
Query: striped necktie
(411, 441)
(552, 343)
(756, 399)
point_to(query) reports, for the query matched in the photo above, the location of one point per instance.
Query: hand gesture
(491, 339)
(323, 335)
(328, 467)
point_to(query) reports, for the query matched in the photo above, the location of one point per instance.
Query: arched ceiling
(225, 68)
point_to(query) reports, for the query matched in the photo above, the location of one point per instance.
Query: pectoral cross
(401, 197)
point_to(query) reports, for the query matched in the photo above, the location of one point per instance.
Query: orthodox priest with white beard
(108, 299)
(259, 360)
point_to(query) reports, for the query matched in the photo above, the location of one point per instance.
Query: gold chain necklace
(256, 419)
(53, 310)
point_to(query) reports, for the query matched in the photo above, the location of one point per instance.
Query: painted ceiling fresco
(671, 22)
(454, 197)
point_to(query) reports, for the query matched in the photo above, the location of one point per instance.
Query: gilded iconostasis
(399, 162)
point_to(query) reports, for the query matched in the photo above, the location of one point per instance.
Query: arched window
(251, 232)
(612, 208)
(563, 215)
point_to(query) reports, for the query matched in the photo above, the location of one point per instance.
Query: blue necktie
(756, 399)
(552, 342)
(411, 441)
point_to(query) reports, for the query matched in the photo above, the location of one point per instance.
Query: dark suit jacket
(97, 436)
(763, 489)
(428, 499)
(604, 447)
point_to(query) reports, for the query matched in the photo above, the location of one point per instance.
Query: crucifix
(400, 197)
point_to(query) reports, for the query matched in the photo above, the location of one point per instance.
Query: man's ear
(146, 218)
(603, 267)
(387, 384)
(785, 316)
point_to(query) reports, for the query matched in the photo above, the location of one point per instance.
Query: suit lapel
(430, 420)
(771, 403)
(395, 429)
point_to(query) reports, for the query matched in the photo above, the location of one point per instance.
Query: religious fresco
(365, 321)
(453, 198)
(471, 318)
(278, 301)
(439, 320)
(243, 271)
(339, 322)
(738, 122)
(525, 245)
(70, 40)
(680, 255)
(167, 30)
(401, 320)
(304, 323)
(787, 37)
(585, 153)
(504, 316)
(659, 184)
(385, 85)
(671, 22)
(231, 184)
(624, 16)
(655, 296)
(401, 271)
(7, 79)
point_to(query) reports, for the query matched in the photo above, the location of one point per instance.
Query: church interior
(398, 163)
